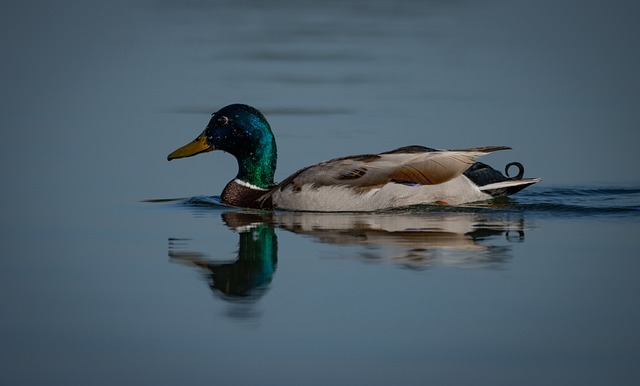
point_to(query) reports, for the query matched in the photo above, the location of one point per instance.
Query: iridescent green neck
(257, 163)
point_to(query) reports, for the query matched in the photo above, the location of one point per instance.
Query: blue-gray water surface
(118, 267)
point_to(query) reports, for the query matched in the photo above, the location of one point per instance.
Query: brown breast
(237, 194)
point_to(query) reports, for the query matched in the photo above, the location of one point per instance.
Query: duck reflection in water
(417, 241)
(249, 276)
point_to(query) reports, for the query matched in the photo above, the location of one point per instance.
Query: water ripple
(553, 201)
(590, 201)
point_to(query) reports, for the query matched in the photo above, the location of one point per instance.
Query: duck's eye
(222, 120)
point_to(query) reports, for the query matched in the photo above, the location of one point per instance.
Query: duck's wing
(410, 165)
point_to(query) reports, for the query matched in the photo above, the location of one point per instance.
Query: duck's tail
(509, 187)
(497, 184)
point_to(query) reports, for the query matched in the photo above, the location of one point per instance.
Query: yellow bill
(197, 146)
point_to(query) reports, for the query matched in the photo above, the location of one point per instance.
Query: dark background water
(99, 286)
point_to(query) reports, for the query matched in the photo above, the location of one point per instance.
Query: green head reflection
(250, 275)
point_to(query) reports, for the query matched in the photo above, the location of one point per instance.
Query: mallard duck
(398, 178)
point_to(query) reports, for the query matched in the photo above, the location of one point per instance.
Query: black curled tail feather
(482, 175)
(520, 170)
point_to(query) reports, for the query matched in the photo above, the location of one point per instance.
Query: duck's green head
(244, 132)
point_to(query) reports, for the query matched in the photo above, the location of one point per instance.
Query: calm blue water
(537, 289)
(118, 267)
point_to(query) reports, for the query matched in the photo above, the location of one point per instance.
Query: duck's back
(402, 177)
